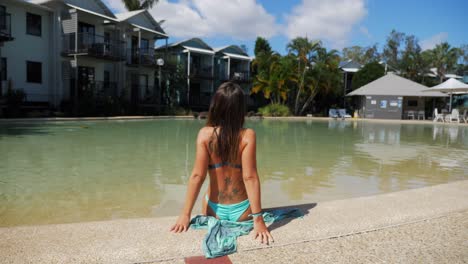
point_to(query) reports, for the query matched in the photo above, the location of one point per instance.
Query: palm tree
(324, 77)
(444, 58)
(303, 50)
(275, 76)
(133, 5)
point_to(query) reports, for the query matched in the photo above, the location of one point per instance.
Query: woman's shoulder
(248, 134)
(205, 133)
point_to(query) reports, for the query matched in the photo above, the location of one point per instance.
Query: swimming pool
(60, 172)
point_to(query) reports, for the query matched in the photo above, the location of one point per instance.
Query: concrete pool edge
(188, 117)
(147, 239)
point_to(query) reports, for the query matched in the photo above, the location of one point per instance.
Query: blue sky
(338, 23)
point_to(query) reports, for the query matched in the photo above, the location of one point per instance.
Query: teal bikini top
(222, 164)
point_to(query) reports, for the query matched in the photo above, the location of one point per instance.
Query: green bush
(274, 110)
(176, 111)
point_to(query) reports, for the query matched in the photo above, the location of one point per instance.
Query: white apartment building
(66, 50)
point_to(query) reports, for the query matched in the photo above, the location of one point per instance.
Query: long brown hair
(227, 114)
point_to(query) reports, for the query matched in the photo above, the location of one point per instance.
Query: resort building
(394, 97)
(27, 50)
(233, 64)
(195, 58)
(75, 52)
(140, 78)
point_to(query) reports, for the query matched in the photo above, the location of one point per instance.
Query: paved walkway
(421, 225)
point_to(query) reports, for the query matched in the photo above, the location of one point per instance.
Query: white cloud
(365, 32)
(431, 42)
(116, 6)
(239, 19)
(330, 20)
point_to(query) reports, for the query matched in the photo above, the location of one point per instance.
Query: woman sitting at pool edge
(228, 152)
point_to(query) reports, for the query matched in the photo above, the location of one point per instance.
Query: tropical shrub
(274, 110)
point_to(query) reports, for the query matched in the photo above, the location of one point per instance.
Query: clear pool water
(60, 172)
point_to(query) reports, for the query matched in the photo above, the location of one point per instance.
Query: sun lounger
(464, 117)
(454, 116)
(342, 113)
(332, 113)
(438, 116)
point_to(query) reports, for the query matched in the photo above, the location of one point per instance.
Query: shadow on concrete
(304, 208)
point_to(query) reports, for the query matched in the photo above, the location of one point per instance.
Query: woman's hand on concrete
(181, 225)
(261, 232)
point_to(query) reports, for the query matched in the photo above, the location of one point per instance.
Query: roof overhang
(236, 56)
(433, 94)
(197, 50)
(93, 13)
(350, 69)
(150, 30)
(34, 4)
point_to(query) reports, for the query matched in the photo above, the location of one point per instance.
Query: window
(144, 44)
(413, 103)
(3, 76)
(3, 21)
(33, 24)
(34, 72)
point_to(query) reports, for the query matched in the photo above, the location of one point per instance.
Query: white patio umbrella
(450, 86)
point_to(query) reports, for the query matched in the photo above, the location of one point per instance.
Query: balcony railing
(144, 94)
(93, 45)
(137, 56)
(200, 99)
(96, 89)
(201, 72)
(5, 27)
(242, 76)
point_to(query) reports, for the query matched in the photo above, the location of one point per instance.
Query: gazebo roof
(450, 86)
(394, 85)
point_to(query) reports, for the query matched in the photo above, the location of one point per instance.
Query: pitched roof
(232, 49)
(394, 85)
(350, 64)
(75, 3)
(126, 15)
(192, 43)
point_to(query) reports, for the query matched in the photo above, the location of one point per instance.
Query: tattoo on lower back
(227, 180)
(235, 191)
(224, 197)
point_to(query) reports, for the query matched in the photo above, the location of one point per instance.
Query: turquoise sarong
(222, 235)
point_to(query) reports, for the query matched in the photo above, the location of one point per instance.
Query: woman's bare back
(226, 182)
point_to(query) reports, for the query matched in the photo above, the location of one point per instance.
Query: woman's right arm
(195, 182)
(252, 186)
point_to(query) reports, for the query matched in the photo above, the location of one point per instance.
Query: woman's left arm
(195, 182)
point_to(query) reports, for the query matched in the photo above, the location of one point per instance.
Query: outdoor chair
(332, 113)
(342, 113)
(411, 114)
(438, 116)
(422, 115)
(464, 117)
(455, 115)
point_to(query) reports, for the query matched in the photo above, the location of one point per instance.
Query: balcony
(143, 57)
(145, 95)
(5, 27)
(238, 76)
(94, 46)
(197, 72)
(95, 89)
